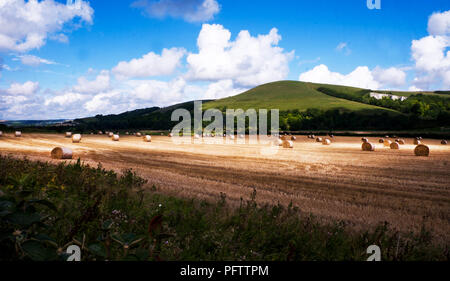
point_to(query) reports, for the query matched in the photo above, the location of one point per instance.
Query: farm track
(332, 182)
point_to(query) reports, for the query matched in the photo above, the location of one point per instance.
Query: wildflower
(160, 205)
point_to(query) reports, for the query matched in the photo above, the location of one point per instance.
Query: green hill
(291, 95)
(304, 106)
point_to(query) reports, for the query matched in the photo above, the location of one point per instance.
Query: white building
(379, 96)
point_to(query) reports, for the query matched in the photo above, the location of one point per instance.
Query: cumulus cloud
(430, 55)
(150, 64)
(20, 100)
(99, 84)
(25, 89)
(26, 25)
(65, 100)
(189, 10)
(439, 23)
(361, 77)
(222, 89)
(391, 76)
(248, 60)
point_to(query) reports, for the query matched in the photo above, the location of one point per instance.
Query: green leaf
(38, 252)
(5, 205)
(45, 238)
(107, 225)
(98, 249)
(46, 203)
(23, 219)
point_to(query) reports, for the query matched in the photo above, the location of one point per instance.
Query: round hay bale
(395, 145)
(278, 142)
(232, 137)
(138, 134)
(400, 141)
(110, 134)
(68, 134)
(417, 142)
(170, 135)
(18, 134)
(421, 150)
(381, 140)
(115, 138)
(288, 144)
(387, 143)
(331, 135)
(386, 136)
(420, 138)
(444, 142)
(293, 138)
(147, 138)
(319, 139)
(326, 142)
(100, 132)
(196, 136)
(61, 153)
(313, 136)
(76, 138)
(367, 146)
(364, 139)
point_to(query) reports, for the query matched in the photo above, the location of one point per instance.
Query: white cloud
(33, 60)
(343, 47)
(99, 84)
(439, 23)
(361, 77)
(189, 10)
(26, 25)
(25, 89)
(429, 53)
(66, 99)
(432, 60)
(391, 76)
(105, 102)
(248, 61)
(150, 64)
(222, 89)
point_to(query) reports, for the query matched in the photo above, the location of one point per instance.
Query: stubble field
(332, 182)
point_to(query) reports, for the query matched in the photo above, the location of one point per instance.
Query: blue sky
(96, 63)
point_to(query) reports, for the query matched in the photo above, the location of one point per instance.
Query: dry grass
(333, 182)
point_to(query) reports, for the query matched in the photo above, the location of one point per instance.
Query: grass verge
(44, 208)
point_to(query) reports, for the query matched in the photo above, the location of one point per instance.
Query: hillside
(303, 106)
(291, 95)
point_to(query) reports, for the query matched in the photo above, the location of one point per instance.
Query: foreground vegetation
(44, 208)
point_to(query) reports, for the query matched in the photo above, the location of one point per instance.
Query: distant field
(289, 95)
(336, 182)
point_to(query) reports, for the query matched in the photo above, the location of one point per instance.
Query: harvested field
(332, 182)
